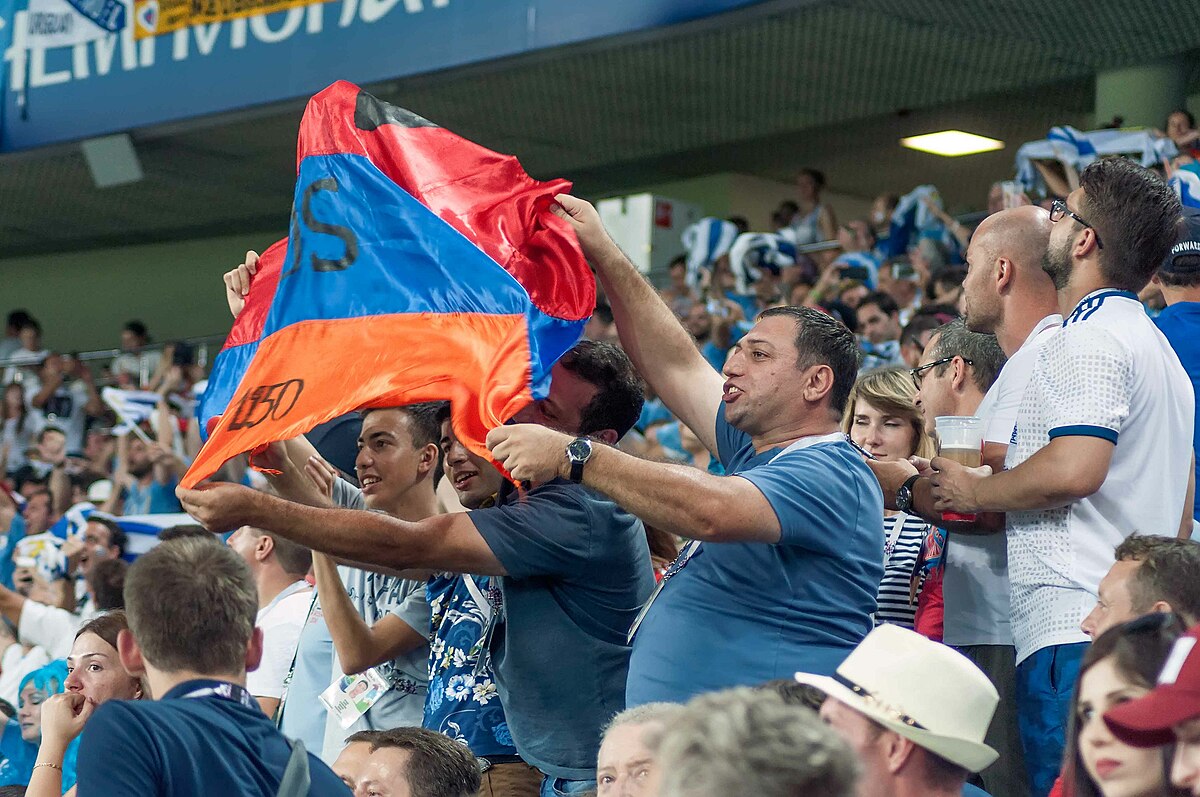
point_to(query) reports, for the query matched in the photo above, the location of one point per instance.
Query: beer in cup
(960, 438)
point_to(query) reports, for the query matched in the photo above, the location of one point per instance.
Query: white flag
(64, 23)
(131, 406)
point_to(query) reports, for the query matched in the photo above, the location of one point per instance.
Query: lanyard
(287, 679)
(224, 691)
(893, 536)
(485, 606)
(690, 550)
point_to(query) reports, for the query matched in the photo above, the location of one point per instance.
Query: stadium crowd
(738, 554)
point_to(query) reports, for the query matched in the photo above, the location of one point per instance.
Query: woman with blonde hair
(882, 418)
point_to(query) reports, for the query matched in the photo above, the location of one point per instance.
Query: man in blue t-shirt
(786, 555)
(573, 568)
(205, 734)
(1179, 321)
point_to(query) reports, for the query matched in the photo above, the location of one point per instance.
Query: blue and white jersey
(1109, 373)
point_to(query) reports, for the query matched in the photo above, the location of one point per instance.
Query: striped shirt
(903, 537)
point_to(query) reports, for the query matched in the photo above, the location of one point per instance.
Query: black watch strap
(577, 471)
(906, 492)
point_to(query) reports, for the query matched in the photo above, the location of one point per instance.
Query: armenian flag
(419, 267)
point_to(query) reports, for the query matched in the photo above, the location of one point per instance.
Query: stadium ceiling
(761, 91)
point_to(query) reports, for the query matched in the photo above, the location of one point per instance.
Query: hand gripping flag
(419, 267)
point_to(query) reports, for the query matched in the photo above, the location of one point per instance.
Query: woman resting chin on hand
(94, 676)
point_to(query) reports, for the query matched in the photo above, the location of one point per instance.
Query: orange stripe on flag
(313, 371)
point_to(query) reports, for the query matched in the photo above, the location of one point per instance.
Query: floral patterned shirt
(462, 702)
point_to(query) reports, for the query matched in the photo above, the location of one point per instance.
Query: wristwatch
(579, 451)
(904, 496)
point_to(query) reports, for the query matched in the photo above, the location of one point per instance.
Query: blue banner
(117, 83)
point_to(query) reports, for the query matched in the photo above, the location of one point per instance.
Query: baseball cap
(1184, 258)
(1148, 720)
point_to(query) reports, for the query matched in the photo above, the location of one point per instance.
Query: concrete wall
(82, 299)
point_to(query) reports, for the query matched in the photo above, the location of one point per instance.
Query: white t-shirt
(975, 584)
(1109, 373)
(280, 621)
(50, 627)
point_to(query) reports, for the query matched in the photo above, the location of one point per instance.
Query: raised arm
(660, 348)
(359, 646)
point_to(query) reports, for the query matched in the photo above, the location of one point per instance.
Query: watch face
(579, 450)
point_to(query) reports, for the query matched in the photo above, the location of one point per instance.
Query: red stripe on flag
(484, 195)
(248, 326)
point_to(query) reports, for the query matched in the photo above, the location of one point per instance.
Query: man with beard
(1070, 491)
(146, 477)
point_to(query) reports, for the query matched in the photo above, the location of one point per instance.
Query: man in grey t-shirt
(365, 620)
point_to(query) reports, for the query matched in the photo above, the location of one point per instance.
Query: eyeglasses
(1059, 208)
(918, 373)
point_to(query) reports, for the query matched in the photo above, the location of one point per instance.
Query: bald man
(1006, 293)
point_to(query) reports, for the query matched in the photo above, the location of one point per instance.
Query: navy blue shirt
(578, 571)
(185, 747)
(747, 613)
(1180, 323)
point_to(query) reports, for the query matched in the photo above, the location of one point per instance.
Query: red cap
(1149, 720)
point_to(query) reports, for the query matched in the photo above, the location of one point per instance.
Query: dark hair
(1135, 213)
(1191, 120)
(949, 277)
(116, 534)
(817, 175)
(619, 391)
(795, 693)
(19, 318)
(884, 301)
(106, 626)
(678, 260)
(107, 581)
(185, 530)
(137, 328)
(437, 765)
(1139, 648)
(1167, 572)
(207, 624)
(423, 420)
(918, 326)
(823, 340)
(603, 312)
(31, 323)
(985, 354)
(293, 558)
(12, 790)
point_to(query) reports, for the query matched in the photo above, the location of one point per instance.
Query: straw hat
(921, 690)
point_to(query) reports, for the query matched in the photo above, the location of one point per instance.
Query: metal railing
(205, 348)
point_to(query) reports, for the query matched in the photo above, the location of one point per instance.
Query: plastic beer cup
(960, 438)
